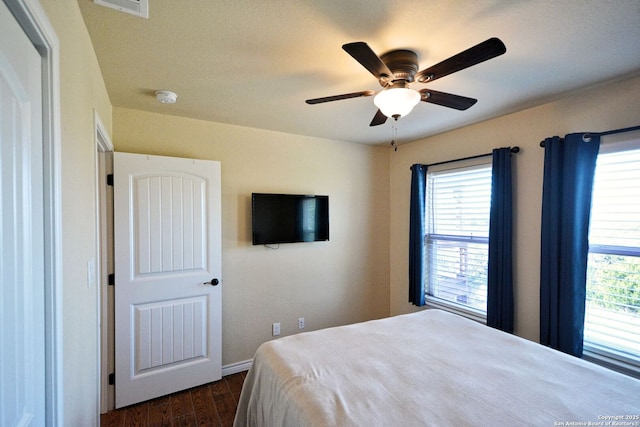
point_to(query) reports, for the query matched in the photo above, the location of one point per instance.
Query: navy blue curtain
(500, 266)
(416, 234)
(569, 167)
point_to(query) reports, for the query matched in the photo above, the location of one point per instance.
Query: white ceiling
(253, 63)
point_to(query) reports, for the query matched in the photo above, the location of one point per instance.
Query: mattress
(428, 368)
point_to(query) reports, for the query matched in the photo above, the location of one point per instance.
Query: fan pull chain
(394, 134)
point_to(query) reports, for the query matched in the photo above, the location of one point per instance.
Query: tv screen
(289, 218)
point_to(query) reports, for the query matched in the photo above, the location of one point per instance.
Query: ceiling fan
(397, 70)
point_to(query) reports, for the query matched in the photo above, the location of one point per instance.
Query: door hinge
(112, 279)
(112, 379)
(110, 179)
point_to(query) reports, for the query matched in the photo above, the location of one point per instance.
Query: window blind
(612, 318)
(458, 208)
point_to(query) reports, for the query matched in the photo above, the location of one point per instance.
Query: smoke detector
(134, 7)
(166, 96)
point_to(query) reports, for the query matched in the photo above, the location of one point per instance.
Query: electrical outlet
(300, 322)
(275, 329)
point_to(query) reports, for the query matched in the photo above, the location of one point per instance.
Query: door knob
(213, 282)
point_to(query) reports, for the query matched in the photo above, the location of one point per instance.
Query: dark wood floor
(212, 404)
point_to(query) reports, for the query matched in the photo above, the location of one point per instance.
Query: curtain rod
(610, 132)
(515, 149)
(542, 144)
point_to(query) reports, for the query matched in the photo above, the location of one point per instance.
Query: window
(458, 205)
(612, 317)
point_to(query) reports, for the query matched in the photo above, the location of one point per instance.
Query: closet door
(22, 281)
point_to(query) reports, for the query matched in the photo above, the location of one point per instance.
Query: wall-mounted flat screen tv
(289, 218)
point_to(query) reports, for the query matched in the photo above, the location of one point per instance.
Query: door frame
(104, 264)
(35, 23)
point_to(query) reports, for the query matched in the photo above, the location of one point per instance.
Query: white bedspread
(430, 368)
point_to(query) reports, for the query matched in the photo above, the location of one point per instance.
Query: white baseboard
(234, 368)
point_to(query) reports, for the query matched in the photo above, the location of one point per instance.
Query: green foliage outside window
(614, 283)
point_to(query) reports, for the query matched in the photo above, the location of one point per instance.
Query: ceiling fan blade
(378, 119)
(339, 97)
(479, 53)
(447, 99)
(361, 52)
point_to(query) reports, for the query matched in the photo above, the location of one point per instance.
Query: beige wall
(330, 283)
(81, 91)
(600, 109)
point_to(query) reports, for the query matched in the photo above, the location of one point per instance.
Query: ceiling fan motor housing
(403, 64)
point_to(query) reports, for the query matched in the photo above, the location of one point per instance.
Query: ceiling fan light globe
(396, 101)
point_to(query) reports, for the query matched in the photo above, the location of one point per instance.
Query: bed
(429, 368)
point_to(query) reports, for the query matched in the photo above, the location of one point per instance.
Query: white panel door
(167, 275)
(22, 329)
